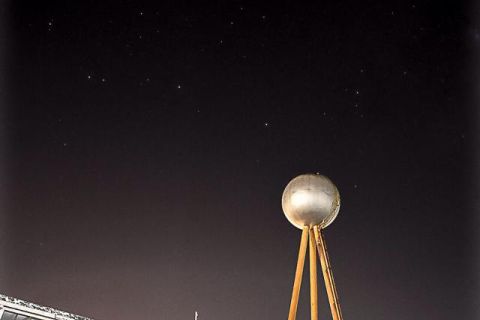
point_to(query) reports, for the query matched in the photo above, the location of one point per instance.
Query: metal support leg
(313, 277)
(298, 275)
(327, 274)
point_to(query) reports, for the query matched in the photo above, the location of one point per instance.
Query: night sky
(145, 147)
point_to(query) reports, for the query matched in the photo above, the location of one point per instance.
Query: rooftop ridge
(7, 303)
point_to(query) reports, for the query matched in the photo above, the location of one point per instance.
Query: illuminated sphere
(311, 200)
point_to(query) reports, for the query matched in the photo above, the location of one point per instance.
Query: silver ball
(311, 200)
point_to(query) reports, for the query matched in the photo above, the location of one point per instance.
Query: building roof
(17, 309)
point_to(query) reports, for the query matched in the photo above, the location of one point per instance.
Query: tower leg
(327, 274)
(298, 275)
(313, 277)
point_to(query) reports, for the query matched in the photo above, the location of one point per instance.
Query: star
(179, 86)
(266, 124)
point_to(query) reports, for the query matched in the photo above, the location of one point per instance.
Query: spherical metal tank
(311, 200)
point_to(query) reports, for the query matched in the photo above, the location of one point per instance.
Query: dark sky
(146, 145)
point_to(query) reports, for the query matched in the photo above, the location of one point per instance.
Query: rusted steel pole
(298, 275)
(313, 277)
(327, 274)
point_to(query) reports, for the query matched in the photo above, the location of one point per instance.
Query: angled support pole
(327, 274)
(292, 314)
